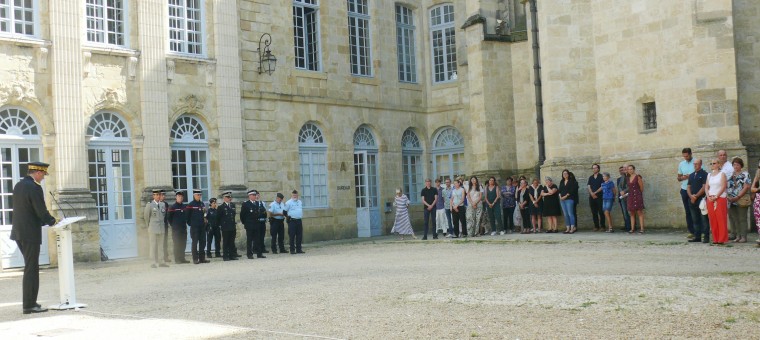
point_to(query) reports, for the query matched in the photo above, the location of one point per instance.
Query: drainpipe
(537, 83)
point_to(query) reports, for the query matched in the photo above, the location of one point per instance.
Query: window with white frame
(358, 38)
(312, 152)
(407, 63)
(190, 156)
(106, 21)
(411, 164)
(448, 154)
(306, 34)
(186, 26)
(443, 39)
(18, 17)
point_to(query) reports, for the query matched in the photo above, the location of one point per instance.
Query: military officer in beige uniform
(154, 215)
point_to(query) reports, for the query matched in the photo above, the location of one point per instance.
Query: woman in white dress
(402, 225)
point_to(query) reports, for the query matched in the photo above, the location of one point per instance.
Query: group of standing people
(215, 225)
(718, 202)
(461, 208)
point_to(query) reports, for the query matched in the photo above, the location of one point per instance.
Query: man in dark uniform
(166, 226)
(196, 217)
(29, 215)
(253, 217)
(226, 215)
(214, 234)
(177, 216)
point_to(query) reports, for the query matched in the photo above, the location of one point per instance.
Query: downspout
(537, 83)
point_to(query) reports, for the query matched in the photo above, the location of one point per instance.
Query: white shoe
(501, 233)
(493, 233)
(449, 235)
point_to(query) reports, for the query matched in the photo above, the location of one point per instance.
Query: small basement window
(650, 115)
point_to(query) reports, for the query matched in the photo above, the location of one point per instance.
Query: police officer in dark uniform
(29, 215)
(226, 216)
(196, 217)
(214, 234)
(253, 216)
(177, 216)
(162, 200)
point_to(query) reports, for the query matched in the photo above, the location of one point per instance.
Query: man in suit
(154, 216)
(196, 217)
(29, 215)
(226, 216)
(177, 217)
(253, 216)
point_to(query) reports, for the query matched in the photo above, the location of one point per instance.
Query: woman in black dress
(535, 205)
(550, 196)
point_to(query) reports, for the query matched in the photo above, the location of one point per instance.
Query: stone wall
(747, 45)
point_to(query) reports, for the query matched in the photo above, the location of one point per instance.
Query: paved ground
(587, 285)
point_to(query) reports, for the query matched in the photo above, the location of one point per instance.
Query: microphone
(59, 205)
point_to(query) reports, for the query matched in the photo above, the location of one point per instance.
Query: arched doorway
(20, 143)
(109, 158)
(448, 153)
(190, 159)
(365, 180)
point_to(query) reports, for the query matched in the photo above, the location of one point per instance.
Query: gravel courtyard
(587, 285)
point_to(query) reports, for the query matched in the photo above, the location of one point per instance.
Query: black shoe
(292, 252)
(424, 238)
(225, 259)
(435, 237)
(209, 255)
(706, 240)
(260, 256)
(695, 240)
(35, 309)
(265, 251)
(274, 251)
(218, 255)
(283, 251)
(250, 257)
(234, 258)
(163, 265)
(300, 252)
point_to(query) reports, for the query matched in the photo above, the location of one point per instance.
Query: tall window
(18, 17)
(444, 43)
(186, 26)
(312, 152)
(407, 65)
(306, 34)
(358, 38)
(190, 156)
(411, 164)
(448, 153)
(106, 21)
(650, 115)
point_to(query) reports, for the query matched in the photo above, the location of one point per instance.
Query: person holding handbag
(738, 200)
(716, 203)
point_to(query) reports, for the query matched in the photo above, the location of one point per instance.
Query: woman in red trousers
(717, 211)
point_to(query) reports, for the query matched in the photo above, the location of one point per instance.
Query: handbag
(517, 217)
(703, 206)
(744, 201)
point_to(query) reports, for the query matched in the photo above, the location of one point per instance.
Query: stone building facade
(125, 96)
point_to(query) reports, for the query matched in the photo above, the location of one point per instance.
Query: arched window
(364, 139)
(448, 153)
(312, 152)
(109, 160)
(411, 164)
(20, 143)
(443, 40)
(190, 155)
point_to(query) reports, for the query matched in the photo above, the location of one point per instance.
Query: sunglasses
(713, 163)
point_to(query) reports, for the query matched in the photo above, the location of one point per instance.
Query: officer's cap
(180, 192)
(227, 194)
(253, 192)
(212, 200)
(279, 195)
(38, 166)
(196, 191)
(156, 191)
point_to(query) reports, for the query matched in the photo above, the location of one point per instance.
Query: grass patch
(588, 304)
(731, 320)
(739, 274)
(474, 335)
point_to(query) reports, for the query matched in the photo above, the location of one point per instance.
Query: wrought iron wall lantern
(267, 60)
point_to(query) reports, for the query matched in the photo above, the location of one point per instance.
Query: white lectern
(66, 264)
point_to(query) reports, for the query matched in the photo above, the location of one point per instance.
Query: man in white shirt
(725, 166)
(685, 168)
(276, 224)
(294, 211)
